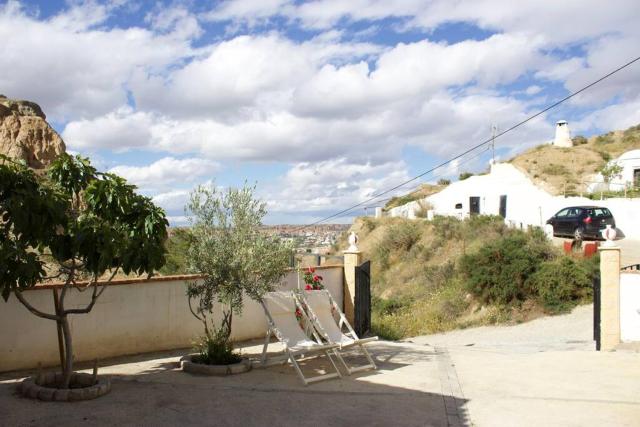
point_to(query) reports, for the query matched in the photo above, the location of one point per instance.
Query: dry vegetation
(421, 192)
(567, 170)
(423, 278)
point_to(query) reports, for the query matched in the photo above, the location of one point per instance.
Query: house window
(636, 177)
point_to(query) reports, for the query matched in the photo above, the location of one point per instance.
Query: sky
(320, 104)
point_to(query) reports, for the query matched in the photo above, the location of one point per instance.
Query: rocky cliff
(26, 135)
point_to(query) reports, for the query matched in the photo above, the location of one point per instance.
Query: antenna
(494, 131)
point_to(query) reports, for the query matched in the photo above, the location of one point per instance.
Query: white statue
(609, 235)
(353, 241)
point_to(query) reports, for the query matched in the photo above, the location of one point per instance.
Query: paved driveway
(543, 373)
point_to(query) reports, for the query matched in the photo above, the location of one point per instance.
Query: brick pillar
(610, 297)
(352, 259)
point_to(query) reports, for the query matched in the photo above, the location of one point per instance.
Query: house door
(474, 205)
(636, 177)
(503, 206)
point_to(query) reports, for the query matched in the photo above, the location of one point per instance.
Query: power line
(440, 175)
(495, 136)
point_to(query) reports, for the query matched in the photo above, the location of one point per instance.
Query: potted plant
(75, 225)
(235, 259)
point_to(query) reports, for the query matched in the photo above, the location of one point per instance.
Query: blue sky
(321, 103)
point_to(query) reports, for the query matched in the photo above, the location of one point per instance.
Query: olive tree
(235, 258)
(77, 226)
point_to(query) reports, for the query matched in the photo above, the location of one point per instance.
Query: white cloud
(327, 186)
(71, 66)
(612, 117)
(118, 130)
(172, 201)
(166, 172)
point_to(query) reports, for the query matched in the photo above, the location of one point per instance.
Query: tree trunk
(56, 304)
(68, 347)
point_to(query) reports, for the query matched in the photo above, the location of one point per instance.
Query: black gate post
(362, 303)
(596, 310)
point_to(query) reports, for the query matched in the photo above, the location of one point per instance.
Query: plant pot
(188, 365)
(82, 387)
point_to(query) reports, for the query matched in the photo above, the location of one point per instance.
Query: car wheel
(578, 234)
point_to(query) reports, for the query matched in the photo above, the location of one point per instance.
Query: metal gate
(362, 303)
(596, 310)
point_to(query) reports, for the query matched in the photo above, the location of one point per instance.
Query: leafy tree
(235, 258)
(611, 171)
(443, 181)
(464, 175)
(73, 224)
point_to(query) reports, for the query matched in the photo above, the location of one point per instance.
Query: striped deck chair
(280, 310)
(329, 321)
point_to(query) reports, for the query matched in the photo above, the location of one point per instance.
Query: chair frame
(289, 354)
(343, 322)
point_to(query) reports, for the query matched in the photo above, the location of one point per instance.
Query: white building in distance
(563, 136)
(628, 177)
(508, 192)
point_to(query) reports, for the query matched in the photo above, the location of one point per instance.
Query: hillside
(568, 170)
(421, 192)
(433, 276)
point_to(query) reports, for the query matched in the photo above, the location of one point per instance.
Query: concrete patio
(407, 390)
(544, 372)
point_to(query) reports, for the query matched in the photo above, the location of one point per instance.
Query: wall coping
(154, 279)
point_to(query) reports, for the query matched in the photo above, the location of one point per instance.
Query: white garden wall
(134, 316)
(630, 307)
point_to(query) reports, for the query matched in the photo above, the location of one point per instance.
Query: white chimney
(563, 136)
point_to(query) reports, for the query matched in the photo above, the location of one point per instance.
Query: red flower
(308, 288)
(316, 278)
(311, 270)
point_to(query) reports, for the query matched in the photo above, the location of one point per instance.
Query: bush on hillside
(579, 140)
(498, 273)
(401, 236)
(561, 284)
(464, 175)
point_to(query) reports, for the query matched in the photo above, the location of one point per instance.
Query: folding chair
(280, 310)
(322, 310)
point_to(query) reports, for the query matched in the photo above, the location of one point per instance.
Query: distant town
(314, 239)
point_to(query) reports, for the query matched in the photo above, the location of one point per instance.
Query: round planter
(188, 365)
(82, 387)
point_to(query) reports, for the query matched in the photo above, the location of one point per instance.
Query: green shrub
(561, 284)
(555, 169)
(388, 306)
(465, 175)
(579, 140)
(215, 349)
(605, 156)
(176, 245)
(401, 236)
(369, 224)
(498, 272)
(443, 181)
